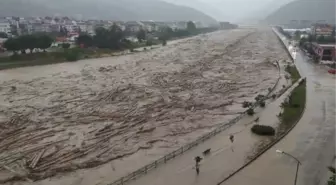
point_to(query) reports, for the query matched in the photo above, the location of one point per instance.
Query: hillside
(313, 10)
(104, 9)
(207, 8)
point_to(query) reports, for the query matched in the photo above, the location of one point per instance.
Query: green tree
(191, 27)
(85, 40)
(3, 35)
(321, 39)
(302, 41)
(141, 35)
(115, 36)
(32, 42)
(12, 44)
(109, 38)
(297, 34)
(100, 38)
(65, 45)
(27, 42)
(44, 42)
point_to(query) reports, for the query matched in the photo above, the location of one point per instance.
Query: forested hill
(314, 10)
(124, 10)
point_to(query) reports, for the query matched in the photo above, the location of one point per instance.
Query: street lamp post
(296, 159)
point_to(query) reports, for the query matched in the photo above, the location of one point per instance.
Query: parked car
(332, 71)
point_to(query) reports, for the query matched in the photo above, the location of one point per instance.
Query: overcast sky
(234, 10)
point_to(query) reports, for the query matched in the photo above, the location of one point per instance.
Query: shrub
(259, 97)
(246, 104)
(269, 89)
(131, 50)
(250, 112)
(302, 81)
(65, 45)
(262, 104)
(71, 55)
(274, 96)
(164, 43)
(149, 43)
(263, 130)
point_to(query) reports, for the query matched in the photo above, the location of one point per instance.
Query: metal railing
(185, 148)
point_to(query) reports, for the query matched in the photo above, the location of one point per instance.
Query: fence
(183, 149)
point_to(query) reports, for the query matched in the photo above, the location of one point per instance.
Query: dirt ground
(93, 121)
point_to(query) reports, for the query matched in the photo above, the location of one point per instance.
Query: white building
(5, 27)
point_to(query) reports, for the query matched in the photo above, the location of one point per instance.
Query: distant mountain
(265, 10)
(206, 8)
(313, 10)
(124, 10)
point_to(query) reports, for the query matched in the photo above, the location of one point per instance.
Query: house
(326, 52)
(182, 25)
(5, 26)
(133, 26)
(121, 25)
(150, 26)
(325, 30)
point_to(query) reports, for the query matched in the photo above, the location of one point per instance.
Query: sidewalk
(224, 157)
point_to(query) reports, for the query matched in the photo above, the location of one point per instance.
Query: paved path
(224, 158)
(312, 140)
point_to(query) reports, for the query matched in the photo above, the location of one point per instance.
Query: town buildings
(5, 26)
(325, 30)
(325, 52)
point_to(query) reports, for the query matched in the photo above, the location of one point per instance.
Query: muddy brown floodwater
(93, 121)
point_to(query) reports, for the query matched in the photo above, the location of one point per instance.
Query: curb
(278, 139)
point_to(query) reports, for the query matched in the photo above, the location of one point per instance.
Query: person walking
(197, 166)
(232, 140)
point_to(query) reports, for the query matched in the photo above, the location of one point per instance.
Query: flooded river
(103, 118)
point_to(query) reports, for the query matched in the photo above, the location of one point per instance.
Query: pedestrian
(231, 138)
(197, 166)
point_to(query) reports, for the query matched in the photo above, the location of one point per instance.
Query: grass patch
(295, 75)
(332, 178)
(293, 107)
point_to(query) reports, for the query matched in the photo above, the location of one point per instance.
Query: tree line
(31, 42)
(115, 37)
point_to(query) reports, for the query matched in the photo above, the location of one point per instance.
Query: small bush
(131, 50)
(149, 43)
(274, 96)
(164, 43)
(246, 104)
(302, 81)
(262, 104)
(259, 97)
(269, 89)
(250, 112)
(145, 49)
(65, 45)
(71, 55)
(263, 130)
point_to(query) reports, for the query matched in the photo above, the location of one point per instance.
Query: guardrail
(183, 149)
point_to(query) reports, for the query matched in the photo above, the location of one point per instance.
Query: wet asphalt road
(316, 147)
(312, 141)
